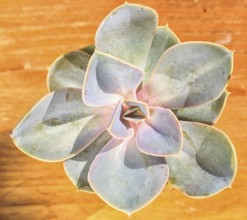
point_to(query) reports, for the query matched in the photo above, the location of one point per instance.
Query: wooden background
(34, 32)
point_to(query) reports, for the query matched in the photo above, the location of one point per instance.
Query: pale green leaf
(126, 178)
(89, 49)
(160, 134)
(207, 113)
(77, 167)
(164, 38)
(127, 33)
(207, 163)
(60, 126)
(108, 79)
(120, 128)
(68, 71)
(188, 74)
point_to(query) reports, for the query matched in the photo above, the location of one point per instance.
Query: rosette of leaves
(134, 112)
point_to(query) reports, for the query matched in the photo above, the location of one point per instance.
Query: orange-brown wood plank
(34, 33)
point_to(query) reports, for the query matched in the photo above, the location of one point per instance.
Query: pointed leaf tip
(59, 126)
(188, 74)
(127, 33)
(125, 178)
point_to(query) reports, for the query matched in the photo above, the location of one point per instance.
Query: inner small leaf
(134, 113)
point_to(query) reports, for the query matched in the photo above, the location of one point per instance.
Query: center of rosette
(135, 111)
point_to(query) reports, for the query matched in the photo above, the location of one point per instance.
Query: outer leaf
(208, 113)
(126, 178)
(127, 33)
(189, 74)
(207, 163)
(161, 134)
(77, 167)
(108, 79)
(120, 128)
(68, 71)
(89, 49)
(164, 38)
(60, 126)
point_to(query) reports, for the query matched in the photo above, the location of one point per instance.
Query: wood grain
(34, 33)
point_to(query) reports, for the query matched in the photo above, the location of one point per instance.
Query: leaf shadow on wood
(31, 189)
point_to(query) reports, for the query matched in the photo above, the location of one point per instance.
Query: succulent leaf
(207, 113)
(113, 111)
(207, 163)
(68, 71)
(60, 126)
(120, 128)
(136, 112)
(127, 33)
(164, 38)
(188, 74)
(108, 79)
(126, 178)
(160, 134)
(89, 49)
(77, 167)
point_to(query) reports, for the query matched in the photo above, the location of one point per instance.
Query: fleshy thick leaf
(89, 49)
(126, 178)
(68, 71)
(77, 167)
(164, 38)
(60, 126)
(208, 113)
(207, 163)
(136, 111)
(161, 134)
(120, 128)
(188, 74)
(108, 79)
(127, 33)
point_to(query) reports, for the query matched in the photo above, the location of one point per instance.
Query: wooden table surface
(34, 32)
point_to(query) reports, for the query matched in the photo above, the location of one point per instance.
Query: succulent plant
(134, 112)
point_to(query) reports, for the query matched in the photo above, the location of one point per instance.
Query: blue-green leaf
(207, 163)
(60, 126)
(68, 71)
(125, 178)
(207, 113)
